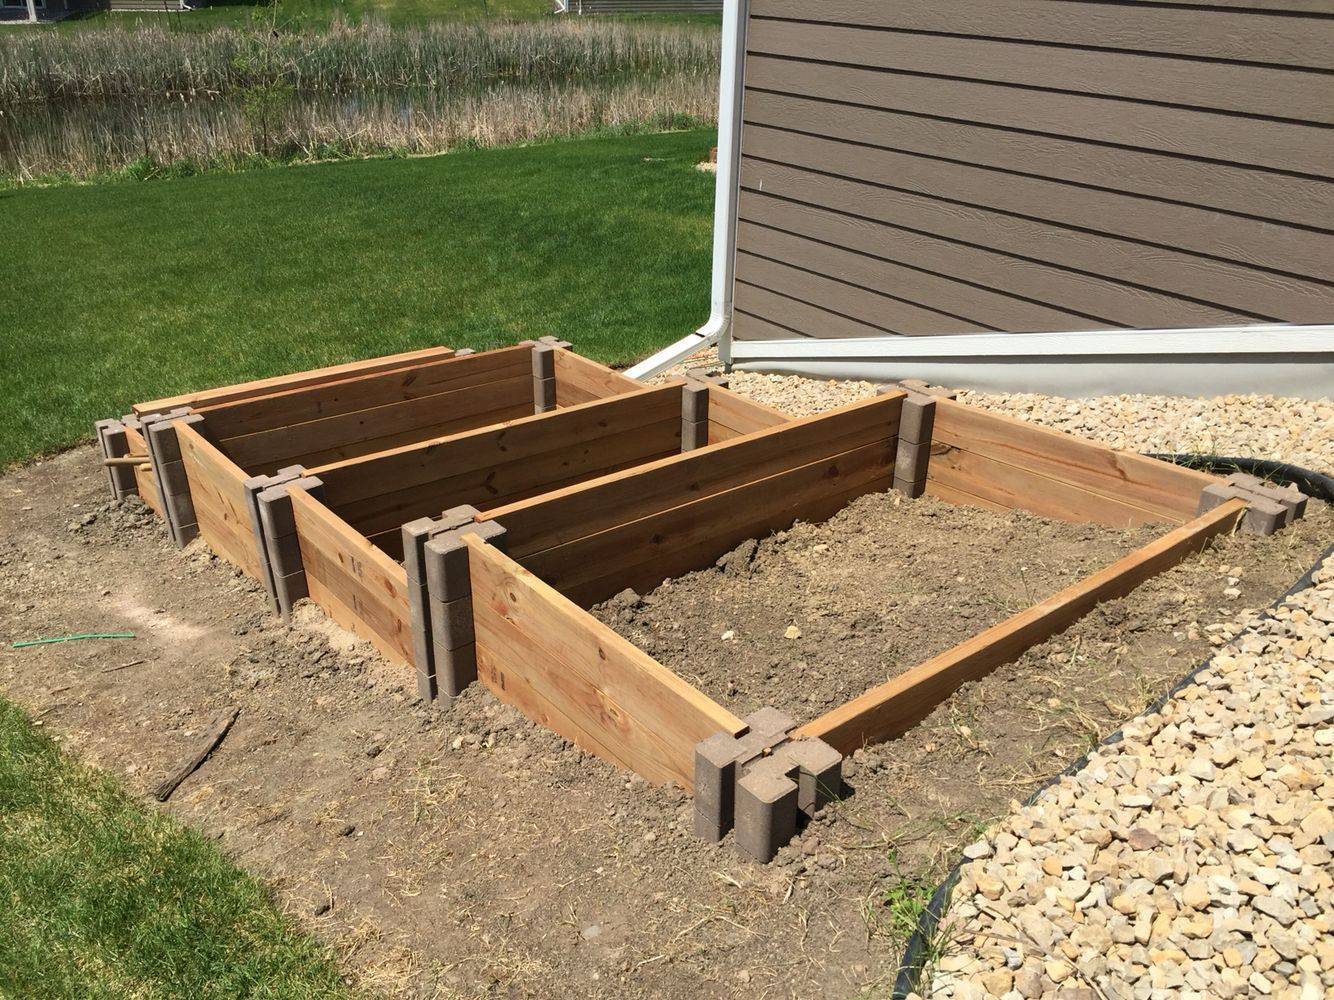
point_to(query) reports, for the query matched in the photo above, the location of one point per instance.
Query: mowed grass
(119, 293)
(100, 898)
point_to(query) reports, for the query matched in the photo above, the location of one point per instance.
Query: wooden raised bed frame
(562, 510)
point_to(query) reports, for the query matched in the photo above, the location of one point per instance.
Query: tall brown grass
(154, 63)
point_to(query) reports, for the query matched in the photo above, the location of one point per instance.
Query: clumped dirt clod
(808, 618)
(475, 854)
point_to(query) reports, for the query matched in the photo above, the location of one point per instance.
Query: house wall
(946, 166)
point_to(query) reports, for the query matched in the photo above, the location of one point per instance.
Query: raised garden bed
(548, 515)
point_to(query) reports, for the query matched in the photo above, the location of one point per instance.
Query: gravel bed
(1192, 858)
(1288, 430)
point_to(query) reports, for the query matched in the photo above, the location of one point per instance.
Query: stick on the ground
(209, 743)
(132, 663)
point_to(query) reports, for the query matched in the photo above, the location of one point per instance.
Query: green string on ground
(74, 638)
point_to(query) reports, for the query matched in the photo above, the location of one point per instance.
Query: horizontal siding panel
(1220, 86)
(1224, 187)
(813, 321)
(1222, 290)
(1218, 34)
(1180, 227)
(1116, 303)
(1209, 135)
(856, 302)
(1005, 312)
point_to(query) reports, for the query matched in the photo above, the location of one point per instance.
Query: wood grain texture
(292, 406)
(361, 432)
(691, 535)
(259, 387)
(219, 498)
(359, 586)
(579, 380)
(578, 511)
(733, 415)
(566, 670)
(1169, 492)
(892, 708)
(499, 465)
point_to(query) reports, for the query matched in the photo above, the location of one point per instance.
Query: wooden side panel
(507, 462)
(360, 587)
(892, 708)
(1014, 463)
(643, 553)
(579, 511)
(732, 415)
(363, 392)
(579, 380)
(260, 387)
(362, 432)
(565, 670)
(220, 501)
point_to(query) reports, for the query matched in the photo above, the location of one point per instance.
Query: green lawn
(117, 293)
(99, 898)
(318, 13)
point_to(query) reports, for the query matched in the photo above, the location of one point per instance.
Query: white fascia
(718, 328)
(1276, 359)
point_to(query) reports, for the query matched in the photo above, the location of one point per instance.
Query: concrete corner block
(756, 782)
(917, 419)
(114, 443)
(552, 341)
(447, 610)
(1263, 515)
(766, 809)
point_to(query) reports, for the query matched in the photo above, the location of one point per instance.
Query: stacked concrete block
(449, 597)
(164, 454)
(1268, 507)
(694, 416)
(926, 389)
(111, 437)
(254, 486)
(759, 782)
(913, 454)
(707, 377)
(544, 378)
(415, 536)
(282, 547)
(551, 341)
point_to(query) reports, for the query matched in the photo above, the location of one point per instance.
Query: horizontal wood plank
(566, 670)
(563, 515)
(363, 392)
(640, 554)
(1171, 491)
(733, 415)
(347, 435)
(370, 587)
(579, 380)
(892, 708)
(259, 387)
(219, 498)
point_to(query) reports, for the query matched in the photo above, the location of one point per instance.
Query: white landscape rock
(1217, 879)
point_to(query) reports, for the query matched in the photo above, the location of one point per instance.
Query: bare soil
(811, 617)
(471, 853)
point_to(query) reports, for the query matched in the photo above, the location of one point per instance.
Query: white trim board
(1278, 360)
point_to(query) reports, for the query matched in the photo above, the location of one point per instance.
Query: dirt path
(471, 853)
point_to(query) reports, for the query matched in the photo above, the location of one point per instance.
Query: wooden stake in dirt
(207, 745)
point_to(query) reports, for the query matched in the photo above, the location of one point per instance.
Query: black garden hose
(1318, 486)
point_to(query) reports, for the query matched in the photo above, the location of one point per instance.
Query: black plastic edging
(1313, 484)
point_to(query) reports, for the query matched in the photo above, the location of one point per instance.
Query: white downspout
(718, 329)
(32, 11)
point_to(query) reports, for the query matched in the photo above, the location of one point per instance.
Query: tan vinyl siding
(945, 166)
